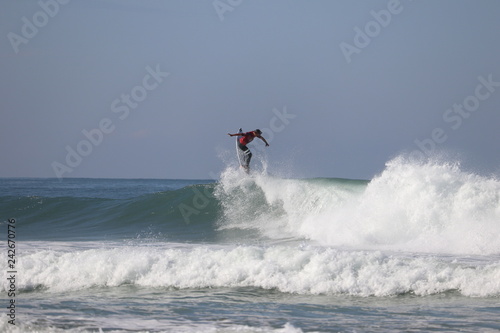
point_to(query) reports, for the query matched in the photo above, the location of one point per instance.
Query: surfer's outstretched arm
(236, 134)
(262, 138)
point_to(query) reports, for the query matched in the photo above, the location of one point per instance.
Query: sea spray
(410, 206)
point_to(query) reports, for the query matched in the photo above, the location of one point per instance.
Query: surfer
(245, 139)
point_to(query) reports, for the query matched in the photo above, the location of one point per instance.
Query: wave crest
(410, 206)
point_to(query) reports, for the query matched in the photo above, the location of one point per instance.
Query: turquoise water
(417, 248)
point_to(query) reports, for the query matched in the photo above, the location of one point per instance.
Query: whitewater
(416, 248)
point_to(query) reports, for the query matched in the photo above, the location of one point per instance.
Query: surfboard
(241, 154)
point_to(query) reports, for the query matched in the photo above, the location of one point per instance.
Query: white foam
(420, 207)
(137, 325)
(303, 270)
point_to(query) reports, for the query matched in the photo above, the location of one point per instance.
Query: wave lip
(279, 208)
(308, 270)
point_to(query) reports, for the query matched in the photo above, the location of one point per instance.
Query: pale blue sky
(244, 66)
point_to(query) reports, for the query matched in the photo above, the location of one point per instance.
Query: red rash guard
(247, 138)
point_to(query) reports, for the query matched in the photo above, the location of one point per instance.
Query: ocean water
(416, 248)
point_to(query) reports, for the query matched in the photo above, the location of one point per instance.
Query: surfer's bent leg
(248, 157)
(247, 152)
